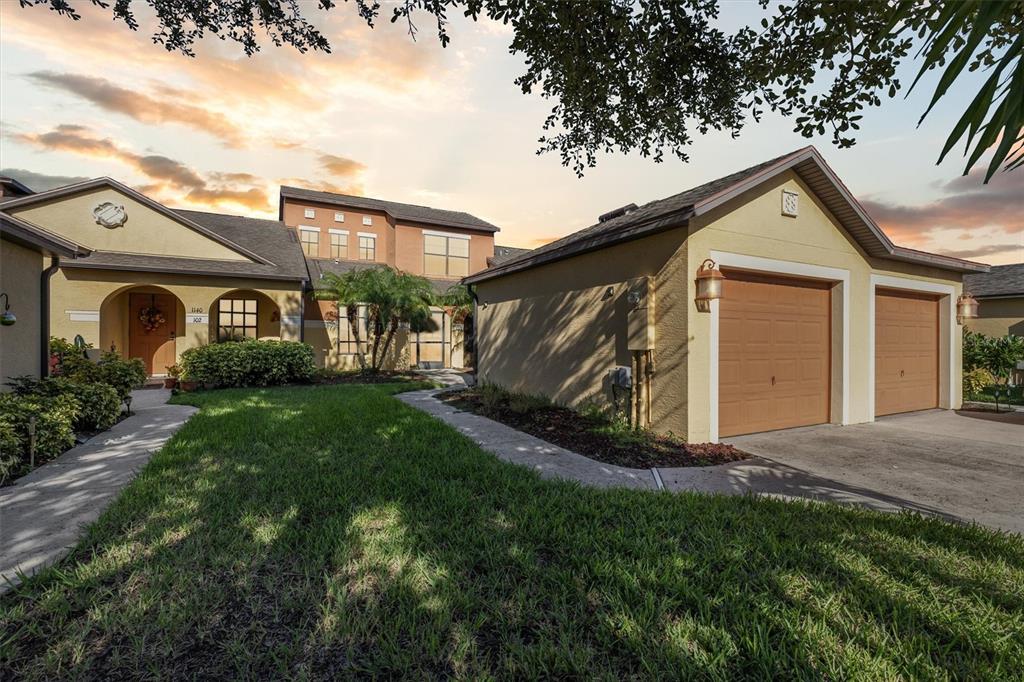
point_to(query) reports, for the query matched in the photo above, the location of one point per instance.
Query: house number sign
(197, 318)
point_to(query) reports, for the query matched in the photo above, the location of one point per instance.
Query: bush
(248, 363)
(55, 417)
(124, 375)
(98, 404)
(10, 448)
(976, 381)
(997, 355)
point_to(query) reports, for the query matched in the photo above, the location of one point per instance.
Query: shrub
(55, 417)
(98, 404)
(976, 381)
(10, 448)
(248, 363)
(997, 355)
(124, 375)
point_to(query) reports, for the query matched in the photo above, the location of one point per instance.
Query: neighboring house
(822, 319)
(157, 281)
(1000, 294)
(504, 253)
(29, 256)
(339, 233)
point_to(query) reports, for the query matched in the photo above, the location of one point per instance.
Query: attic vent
(790, 202)
(621, 211)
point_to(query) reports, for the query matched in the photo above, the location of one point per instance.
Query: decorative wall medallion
(110, 215)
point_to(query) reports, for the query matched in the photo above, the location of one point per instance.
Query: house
(339, 233)
(29, 256)
(820, 317)
(1000, 293)
(155, 281)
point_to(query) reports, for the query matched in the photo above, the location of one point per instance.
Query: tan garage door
(773, 354)
(906, 352)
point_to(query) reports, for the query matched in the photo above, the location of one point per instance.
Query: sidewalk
(43, 514)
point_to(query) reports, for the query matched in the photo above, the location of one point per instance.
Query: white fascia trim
(309, 228)
(891, 282)
(334, 231)
(83, 315)
(454, 235)
(779, 267)
(372, 235)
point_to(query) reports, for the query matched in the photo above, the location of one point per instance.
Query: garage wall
(753, 225)
(999, 317)
(19, 279)
(556, 330)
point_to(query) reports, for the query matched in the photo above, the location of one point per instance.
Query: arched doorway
(143, 322)
(244, 314)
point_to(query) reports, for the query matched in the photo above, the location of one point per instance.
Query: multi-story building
(339, 233)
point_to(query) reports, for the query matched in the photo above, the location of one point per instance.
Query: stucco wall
(20, 269)
(999, 317)
(146, 230)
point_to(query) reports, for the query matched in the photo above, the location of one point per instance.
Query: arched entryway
(244, 314)
(143, 322)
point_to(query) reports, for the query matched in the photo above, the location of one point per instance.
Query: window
(347, 342)
(236, 319)
(367, 220)
(445, 255)
(309, 213)
(339, 217)
(339, 244)
(367, 247)
(310, 241)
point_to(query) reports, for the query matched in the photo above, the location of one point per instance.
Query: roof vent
(621, 211)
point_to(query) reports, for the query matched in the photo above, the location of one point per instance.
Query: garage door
(773, 354)
(906, 352)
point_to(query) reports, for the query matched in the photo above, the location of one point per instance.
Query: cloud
(340, 166)
(40, 182)
(323, 186)
(169, 178)
(142, 107)
(989, 250)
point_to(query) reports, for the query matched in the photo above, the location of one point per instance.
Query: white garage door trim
(947, 323)
(770, 266)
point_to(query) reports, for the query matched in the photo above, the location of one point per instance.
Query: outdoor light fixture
(966, 308)
(709, 285)
(7, 318)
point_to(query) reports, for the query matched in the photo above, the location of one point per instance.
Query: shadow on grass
(333, 532)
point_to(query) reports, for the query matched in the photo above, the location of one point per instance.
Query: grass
(987, 395)
(331, 531)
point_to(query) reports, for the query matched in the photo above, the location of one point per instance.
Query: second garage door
(906, 352)
(774, 354)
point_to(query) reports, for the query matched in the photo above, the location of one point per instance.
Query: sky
(389, 117)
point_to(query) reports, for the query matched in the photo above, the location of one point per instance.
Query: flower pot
(170, 382)
(187, 385)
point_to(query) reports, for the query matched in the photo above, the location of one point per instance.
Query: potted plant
(173, 372)
(186, 383)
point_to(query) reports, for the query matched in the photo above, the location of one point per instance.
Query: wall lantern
(7, 318)
(709, 285)
(966, 308)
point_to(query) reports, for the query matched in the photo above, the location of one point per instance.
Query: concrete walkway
(43, 514)
(817, 476)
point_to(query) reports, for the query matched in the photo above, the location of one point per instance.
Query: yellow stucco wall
(20, 269)
(146, 231)
(999, 317)
(79, 293)
(557, 329)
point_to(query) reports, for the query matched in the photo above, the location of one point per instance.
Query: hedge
(99, 405)
(248, 363)
(55, 417)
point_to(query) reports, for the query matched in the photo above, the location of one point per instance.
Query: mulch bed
(580, 433)
(368, 378)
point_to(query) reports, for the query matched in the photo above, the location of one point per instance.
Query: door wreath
(151, 318)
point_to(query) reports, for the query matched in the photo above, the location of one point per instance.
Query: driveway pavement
(965, 465)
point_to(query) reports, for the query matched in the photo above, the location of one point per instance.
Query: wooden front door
(154, 346)
(906, 352)
(774, 354)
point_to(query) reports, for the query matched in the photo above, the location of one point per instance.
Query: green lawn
(330, 531)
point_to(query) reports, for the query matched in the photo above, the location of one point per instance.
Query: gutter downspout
(44, 315)
(302, 309)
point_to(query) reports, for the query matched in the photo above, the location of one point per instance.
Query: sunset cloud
(340, 166)
(40, 182)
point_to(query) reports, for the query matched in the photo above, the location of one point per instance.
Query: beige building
(1000, 293)
(821, 319)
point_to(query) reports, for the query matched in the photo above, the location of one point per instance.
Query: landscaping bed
(593, 435)
(365, 377)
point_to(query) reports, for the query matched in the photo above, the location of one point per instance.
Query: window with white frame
(367, 247)
(445, 255)
(236, 319)
(346, 340)
(339, 217)
(367, 220)
(309, 213)
(310, 240)
(339, 245)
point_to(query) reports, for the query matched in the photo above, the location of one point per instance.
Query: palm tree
(347, 291)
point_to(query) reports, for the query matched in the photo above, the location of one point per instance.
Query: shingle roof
(269, 239)
(503, 254)
(1001, 280)
(319, 266)
(677, 210)
(31, 235)
(411, 212)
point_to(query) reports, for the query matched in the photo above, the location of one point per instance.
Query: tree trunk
(392, 328)
(374, 323)
(352, 312)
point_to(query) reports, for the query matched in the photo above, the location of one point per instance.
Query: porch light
(709, 285)
(7, 318)
(966, 308)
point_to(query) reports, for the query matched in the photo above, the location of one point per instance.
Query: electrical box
(640, 318)
(621, 377)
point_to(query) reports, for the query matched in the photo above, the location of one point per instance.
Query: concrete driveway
(965, 465)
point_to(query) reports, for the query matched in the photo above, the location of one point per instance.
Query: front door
(152, 328)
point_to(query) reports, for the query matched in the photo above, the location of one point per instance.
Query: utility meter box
(621, 377)
(640, 318)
